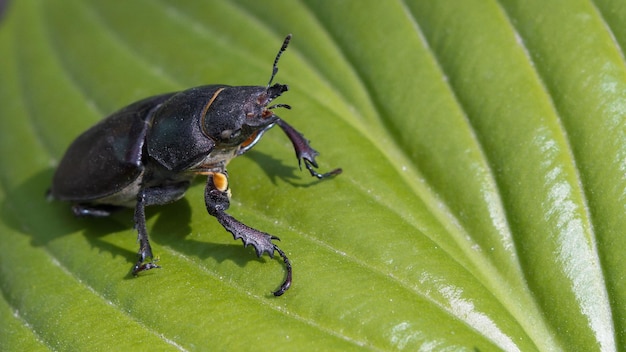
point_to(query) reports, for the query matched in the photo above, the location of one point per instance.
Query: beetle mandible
(148, 153)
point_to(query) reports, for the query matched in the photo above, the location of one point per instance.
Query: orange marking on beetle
(220, 181)
(249, 141)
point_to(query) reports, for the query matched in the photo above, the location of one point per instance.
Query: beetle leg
(217, 199)
(304, 151)
(152, 196)
(145, 250)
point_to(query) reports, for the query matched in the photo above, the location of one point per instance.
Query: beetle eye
(229, 134)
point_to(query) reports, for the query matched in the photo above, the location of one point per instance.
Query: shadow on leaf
(172, 226)
(26, 210)
(276, 169)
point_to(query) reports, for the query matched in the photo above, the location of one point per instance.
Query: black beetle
(148, 152)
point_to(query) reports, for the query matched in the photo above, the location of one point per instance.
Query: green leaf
(481, 205)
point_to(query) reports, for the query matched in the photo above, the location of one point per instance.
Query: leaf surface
(481, 205)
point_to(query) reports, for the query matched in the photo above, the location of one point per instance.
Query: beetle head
(237, 116)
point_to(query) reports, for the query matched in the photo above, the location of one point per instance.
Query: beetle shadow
(171, 229)
(26, 211)
(275, 169)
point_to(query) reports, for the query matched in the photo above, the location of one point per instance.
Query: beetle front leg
(304, 151)
(217, 199)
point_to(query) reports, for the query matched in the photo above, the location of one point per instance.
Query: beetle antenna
(280, 52)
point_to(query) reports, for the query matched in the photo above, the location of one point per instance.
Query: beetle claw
(314, 173)
(139, 267)
(287, 283)
(304, 151)
(261, 241)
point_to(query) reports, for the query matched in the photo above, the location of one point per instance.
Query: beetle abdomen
(106, 158)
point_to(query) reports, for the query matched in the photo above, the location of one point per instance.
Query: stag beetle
(148, 153)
